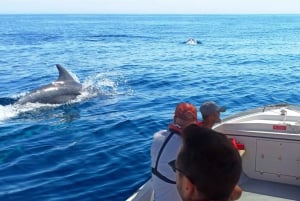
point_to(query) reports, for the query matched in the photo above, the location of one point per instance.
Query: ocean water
(98, 146)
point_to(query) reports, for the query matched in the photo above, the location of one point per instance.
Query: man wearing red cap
(164, 150)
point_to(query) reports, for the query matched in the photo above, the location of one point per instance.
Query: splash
(107, 84)
(14, 110)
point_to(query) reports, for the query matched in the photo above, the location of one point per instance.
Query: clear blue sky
(150, 6)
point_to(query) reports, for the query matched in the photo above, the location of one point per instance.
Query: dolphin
(64, 89)
(191, 41)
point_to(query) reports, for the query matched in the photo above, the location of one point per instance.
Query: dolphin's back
(64, 89)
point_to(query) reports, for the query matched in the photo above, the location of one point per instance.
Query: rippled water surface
(97, 147)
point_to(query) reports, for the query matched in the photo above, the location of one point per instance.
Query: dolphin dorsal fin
(64, 75)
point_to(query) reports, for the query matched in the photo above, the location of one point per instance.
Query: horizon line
(93, 13)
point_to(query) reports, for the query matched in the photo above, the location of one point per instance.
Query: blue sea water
(98, 147)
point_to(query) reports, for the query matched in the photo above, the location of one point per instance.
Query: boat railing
(260, 109)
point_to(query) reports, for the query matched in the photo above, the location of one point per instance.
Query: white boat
(271, 158)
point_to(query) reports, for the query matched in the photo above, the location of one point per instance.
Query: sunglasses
(174, 168)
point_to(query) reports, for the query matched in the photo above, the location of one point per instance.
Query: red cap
(186, 111)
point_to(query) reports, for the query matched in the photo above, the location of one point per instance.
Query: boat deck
(259, 190)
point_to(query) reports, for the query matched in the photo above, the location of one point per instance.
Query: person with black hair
(208, 167)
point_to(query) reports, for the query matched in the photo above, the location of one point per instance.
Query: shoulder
(161, 134)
